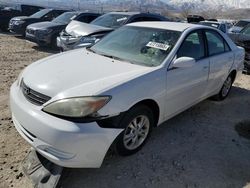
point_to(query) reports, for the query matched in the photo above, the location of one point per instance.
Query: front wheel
(137, 124)
(225, 90)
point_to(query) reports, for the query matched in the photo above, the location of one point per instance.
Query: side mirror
(184, 62)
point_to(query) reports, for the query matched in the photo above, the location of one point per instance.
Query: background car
(195, 18)
(218, 25)
(9, 12)
(77, 35)
(239, 26)
(243, 39)
(45, 33)
(114, 93)
(18, 25)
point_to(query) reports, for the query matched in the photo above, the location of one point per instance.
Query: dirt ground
(198, 148)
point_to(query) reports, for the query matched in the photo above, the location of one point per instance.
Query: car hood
(45, 25)
(79, 73)
(19, 18)
(76, 28)
(25, 18)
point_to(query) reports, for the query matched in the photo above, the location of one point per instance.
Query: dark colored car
(78, 35)
(9, 12)
(45, 33)
(195, 19)
(19, 24)
(243, 39)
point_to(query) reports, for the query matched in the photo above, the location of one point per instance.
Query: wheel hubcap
(136, 132)
(226, 86)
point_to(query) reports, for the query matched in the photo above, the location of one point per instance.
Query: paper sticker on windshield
(121, 19)
(157, 45)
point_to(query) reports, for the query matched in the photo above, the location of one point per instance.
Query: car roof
(212, 22)
(175, 26)
(55, 9)
(247, 20)
(125, 13)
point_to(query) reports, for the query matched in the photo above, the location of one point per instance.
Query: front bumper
(68, 144)
(41, 40)
(17, 29)
(66, 47)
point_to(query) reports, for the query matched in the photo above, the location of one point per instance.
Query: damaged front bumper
(65, 143)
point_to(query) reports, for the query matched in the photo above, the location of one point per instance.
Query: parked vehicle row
(239, 33)
(9, 12)
(77, 34)
(243, 39)
(46, 33)
(72, 107)
(19, 24)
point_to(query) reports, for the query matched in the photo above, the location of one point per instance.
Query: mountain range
(170, 3)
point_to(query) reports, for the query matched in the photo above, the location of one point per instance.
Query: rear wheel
(225, 90)
(137, 124)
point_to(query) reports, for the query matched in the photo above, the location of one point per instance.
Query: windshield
(138, 45)
(242, 23)
(246, 30)
(111, 20)
(215, 25)
(65, 18)
(40, 14)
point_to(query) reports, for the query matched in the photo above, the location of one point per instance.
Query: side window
(83, 19)
(137, 19)
(92, 17)
(56, 14)
(48, 16)
(193, 46)
(216, 44)
(86, 19)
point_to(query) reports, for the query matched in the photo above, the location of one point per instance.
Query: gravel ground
(198, 148)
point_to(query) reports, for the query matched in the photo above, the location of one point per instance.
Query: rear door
(185, 86)
(221, 59)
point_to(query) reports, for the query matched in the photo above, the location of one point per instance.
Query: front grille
(33, 96)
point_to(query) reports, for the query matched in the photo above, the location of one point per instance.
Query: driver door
(186, 86)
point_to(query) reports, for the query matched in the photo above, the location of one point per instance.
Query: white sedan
(72, 107)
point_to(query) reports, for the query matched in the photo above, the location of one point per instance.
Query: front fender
(149, 86)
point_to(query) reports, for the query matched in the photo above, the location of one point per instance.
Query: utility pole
(78, 4)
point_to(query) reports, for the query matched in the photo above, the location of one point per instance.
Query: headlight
(18, 22)
(77, 107)
(19, 78)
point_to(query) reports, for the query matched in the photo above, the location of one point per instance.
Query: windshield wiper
(89, 49)
(111, 57)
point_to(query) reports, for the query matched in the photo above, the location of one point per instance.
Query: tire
(225, 90)
(134, 136)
